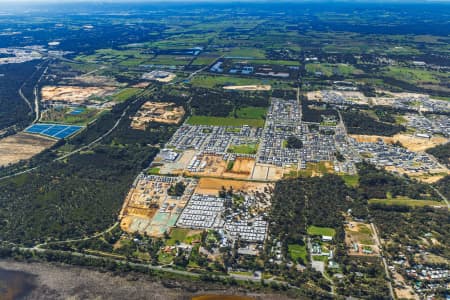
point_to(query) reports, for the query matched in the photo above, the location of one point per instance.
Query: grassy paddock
(406, 202)
(222, 121)
(315, 230)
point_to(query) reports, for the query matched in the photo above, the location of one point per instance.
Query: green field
(244, 149)
(154, 171)
(223, 121)
(351, 180)
(125, 94)
(411, 75)
(407, 202)
(273, 62)
(63, 116)
(213, 81)
(247, 52)
(170, 60)
(315, 230)
(297, 251)
(332, 69)
(251, 112)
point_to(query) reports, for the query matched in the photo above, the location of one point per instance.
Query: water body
(15, 284)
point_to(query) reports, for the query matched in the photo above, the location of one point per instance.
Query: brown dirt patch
(411, 142)
(212, 186)
(22, 146)
(73, 94)
(248, 87)
(161, 112)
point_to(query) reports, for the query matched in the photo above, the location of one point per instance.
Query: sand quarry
(22, 146)
(161, 112)
(74, 94)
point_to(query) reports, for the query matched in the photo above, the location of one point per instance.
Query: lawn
(251, 112)
(223, 121)
(154, 171)
(297, 251)
(315, 230)
(177, 234)
(125, 94)
(351, 180)
(243, 149)
(407, 202)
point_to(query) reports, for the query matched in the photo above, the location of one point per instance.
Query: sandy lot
(161, 112)
(267, 172)
(361, 234)
(406, 292)
(248, 87)
(22, 146)
(211, 186)
(411, 142)
(74, 94)
(243, 165)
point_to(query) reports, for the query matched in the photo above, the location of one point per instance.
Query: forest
(84, 193)
(361, 123)
(442, 153)
(14, 110)
(223, 104)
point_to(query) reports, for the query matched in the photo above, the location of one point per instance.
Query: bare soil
(22, 146)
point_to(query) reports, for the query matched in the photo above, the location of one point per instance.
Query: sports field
(315, 230)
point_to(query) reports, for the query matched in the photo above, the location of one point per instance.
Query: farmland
(224, 121)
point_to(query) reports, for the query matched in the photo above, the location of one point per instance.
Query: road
(159, 268)
(386, 270)
(442, 196)
(79, 239)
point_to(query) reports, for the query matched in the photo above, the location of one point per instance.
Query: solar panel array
(53, 130)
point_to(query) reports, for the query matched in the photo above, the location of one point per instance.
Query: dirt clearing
(212, 186)
(248, 87)
(411, 142)
(74, 94)
(22, 146)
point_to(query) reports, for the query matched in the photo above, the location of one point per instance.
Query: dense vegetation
(442, 153)
(14, 110)
(361, 123)
(83, 194)
(223, 104)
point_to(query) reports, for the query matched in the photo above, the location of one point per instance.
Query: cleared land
(161, 112)
(212, 186)
(255, 87)
(74, 94)
(408, 202)
(22, 146)
(359, 239)
(411, 142)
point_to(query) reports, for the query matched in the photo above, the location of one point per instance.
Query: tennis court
(57, 131)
